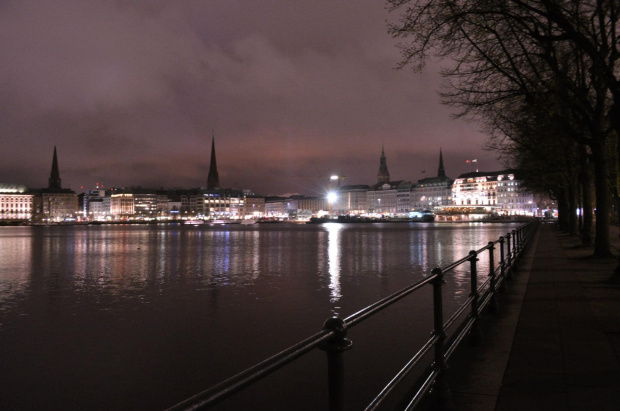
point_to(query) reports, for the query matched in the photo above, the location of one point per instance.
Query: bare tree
(508, 53)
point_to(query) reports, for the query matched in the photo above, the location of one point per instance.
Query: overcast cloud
(130, 93)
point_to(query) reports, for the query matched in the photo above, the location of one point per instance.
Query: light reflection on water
(174, 294)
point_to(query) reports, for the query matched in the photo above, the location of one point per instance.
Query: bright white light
(333, 178)
(332, 197)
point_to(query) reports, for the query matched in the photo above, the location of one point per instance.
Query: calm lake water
(142, 317)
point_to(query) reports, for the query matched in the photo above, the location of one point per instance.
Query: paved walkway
(555, 344)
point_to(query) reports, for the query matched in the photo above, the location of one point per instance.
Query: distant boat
(248, 221)
(194, 222)
(225, 221)
(425, 216)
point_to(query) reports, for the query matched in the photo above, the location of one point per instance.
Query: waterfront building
(403, 197)
(513, 198)
(254, 207)
(476, 190)
(224, 203)
(192, 203)
(96, 205)
(352, 199)
(122, 205)
(295, 207)
(313, 204)
(54, 203)
(145, 204)
(140, 203)
(172, 209)
(383, 198)
(16, 203)
(99, 208)
(433, 192)
(278, 207)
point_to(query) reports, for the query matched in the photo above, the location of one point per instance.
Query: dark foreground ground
(555, 343)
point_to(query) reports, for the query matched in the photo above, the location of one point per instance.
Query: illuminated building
(500, 192)
(383, 198)
(352, 199)
(15, 202)
(122, 205)
(226, 203)
(433, 192)
(54, 203)
(140, 203)
(475, 190)
(278, 207)
(254, 207)
(192, 203)
(513, 198)
(295, 207)
(95, 205)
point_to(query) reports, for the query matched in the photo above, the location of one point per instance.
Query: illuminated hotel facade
(15, 202)
(498, 192)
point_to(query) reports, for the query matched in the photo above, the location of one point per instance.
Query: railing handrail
(334, 330)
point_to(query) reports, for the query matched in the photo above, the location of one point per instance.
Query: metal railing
(332, 338)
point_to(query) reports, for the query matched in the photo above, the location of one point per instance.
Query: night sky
(130, 93)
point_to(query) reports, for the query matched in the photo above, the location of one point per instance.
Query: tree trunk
(573, 221)
(601, 242)
(563, 222)
(587, 198)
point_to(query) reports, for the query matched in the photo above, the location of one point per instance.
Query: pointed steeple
(54, 180)
(441, 172)
(213, 181)
(383, 176)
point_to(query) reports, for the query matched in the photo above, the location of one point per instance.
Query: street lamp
(332, 197)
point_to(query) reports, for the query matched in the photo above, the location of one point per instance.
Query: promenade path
(555, 343)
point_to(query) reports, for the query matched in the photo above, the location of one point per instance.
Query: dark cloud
(131, 91)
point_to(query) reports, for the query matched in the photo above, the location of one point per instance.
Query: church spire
(54, 180)
(213, 181)
(383, 176)
(441, 172)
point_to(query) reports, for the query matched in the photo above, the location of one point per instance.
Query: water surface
(141, 317)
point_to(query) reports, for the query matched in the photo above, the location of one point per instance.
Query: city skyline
(132, 94)
(212, 181)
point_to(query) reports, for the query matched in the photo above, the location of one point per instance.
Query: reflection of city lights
(333, 260)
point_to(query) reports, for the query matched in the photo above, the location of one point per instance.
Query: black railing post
(509, 256)
(494, 304)
(514, 248)
(441, 391)
(335, 363)
(476, 333)
(502, 265)
(517, 242)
